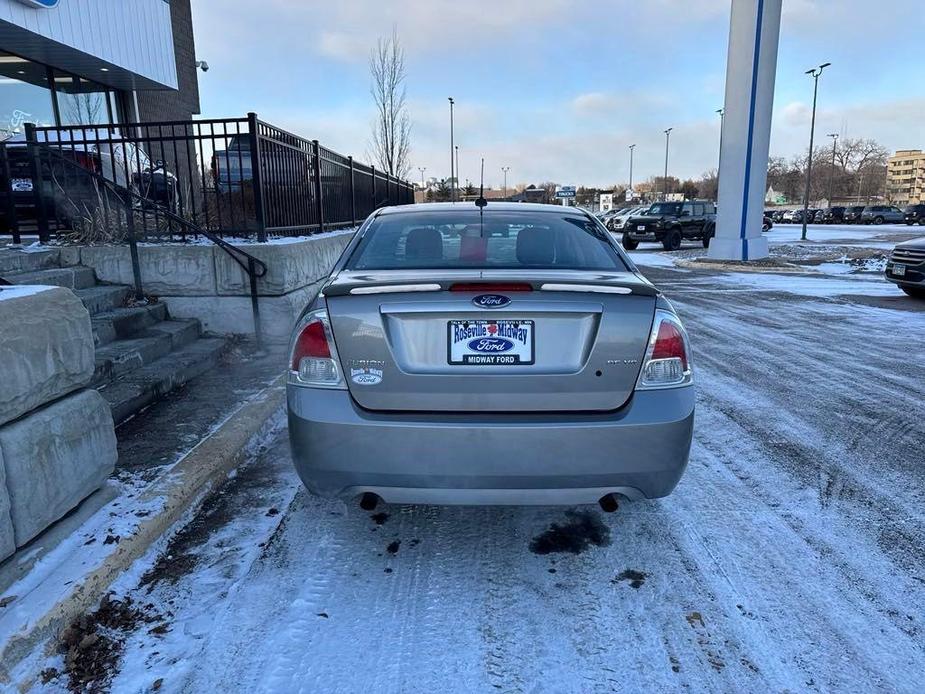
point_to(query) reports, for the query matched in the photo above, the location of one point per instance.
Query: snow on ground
(790, 558)
(652, 258)
(807, 285)
(857, 234)
(18, 291)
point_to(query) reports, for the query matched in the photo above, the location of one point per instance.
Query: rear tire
(672, 240)
(629, 244)
(914, 292)
(878, 220)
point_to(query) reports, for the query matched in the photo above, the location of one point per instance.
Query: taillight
(667, 362)
(313, 357)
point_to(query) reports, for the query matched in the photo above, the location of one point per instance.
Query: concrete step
(77, 277)
(129, 393)
(121, 356)
(182, 331)
(15, 260)
(122, 323)
(102, 297)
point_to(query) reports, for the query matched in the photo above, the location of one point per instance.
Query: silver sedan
(508, 354)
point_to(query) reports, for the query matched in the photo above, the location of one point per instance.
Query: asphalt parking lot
(791, 556)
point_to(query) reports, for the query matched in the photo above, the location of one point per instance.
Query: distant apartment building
(905, 177)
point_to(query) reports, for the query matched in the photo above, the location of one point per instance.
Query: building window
(25, 95)
(31, 92)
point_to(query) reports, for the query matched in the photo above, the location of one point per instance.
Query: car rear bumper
(640, 451)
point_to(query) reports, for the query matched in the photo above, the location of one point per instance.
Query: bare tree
(84, 109)
(391, 141)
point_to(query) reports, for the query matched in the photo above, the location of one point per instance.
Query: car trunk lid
(566, 344)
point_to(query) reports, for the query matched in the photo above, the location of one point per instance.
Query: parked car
(818, 216)
(425, 374)
(778, 216)
(853, 214)
(810, 215)
(834, 215)
(906, 267)
(618, 221)
(882, 214)
(669, 223)
(63, 186)
(767, 223)
(914, 214)
(787, 216)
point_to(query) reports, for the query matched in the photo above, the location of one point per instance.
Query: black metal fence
(238, 177)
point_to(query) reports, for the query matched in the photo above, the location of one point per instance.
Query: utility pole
(452, 149)
(505, 169)
(815, 72)
(834, 137)
(422, 169)
(632, 147)
(667, 136)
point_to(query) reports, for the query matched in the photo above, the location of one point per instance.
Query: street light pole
(815, 72)
(505, 169)
(667, 136)
(632, 147)
(722, 122)
(452, 148)
(834, 137)
(422, 169)
(457, 166)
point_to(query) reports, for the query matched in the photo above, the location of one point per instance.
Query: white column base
(738, 249)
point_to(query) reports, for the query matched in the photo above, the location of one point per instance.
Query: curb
(180, 489)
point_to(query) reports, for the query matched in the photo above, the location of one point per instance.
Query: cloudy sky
(557, 90)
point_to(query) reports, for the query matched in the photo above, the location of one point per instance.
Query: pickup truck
(231, 167)
(669, 223)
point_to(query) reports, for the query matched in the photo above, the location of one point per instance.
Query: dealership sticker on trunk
(490, 343)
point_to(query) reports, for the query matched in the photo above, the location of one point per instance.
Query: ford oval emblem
(490, 345)
(491, 301)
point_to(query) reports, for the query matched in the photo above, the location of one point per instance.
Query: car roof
(452, 207)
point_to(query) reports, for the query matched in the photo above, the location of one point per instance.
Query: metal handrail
(254, 267)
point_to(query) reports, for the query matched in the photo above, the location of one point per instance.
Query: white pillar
(750, 67)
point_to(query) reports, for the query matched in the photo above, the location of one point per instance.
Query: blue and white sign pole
(754, 30)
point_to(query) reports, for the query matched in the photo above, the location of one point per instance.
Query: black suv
(834, 215)
(853, 214)
(671, 222)
(914, 214)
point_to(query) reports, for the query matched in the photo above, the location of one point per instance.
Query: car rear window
(468, 239)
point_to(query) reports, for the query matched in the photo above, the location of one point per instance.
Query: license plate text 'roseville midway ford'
(491, 343)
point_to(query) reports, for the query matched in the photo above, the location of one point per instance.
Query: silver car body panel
(640, 451)
(588, 347)
(569, 428)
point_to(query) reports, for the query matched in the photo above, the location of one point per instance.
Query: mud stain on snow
(636, 579)
(581, 530)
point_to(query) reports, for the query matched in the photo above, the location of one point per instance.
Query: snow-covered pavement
(790, 558)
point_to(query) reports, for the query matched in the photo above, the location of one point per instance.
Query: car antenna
(482, 202)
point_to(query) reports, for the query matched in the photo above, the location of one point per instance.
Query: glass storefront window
(24, 95)
(81, 102)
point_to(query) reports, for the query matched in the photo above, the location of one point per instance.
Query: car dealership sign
(46, 4)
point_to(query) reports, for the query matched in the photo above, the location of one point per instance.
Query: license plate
(899, 270)
(641, 227)
(490, 342)
(21, 185)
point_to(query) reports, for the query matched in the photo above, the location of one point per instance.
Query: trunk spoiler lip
(344, 284)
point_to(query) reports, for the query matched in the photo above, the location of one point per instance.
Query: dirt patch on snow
(581, 530)
(93, 644)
